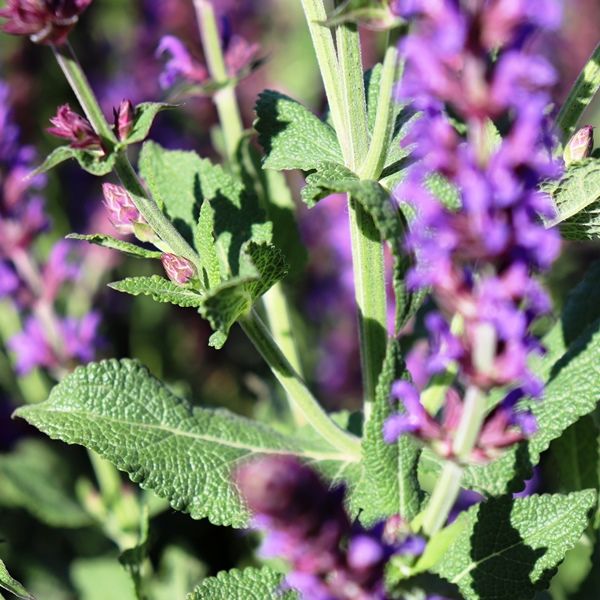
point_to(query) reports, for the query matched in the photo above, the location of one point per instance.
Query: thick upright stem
(297, 389)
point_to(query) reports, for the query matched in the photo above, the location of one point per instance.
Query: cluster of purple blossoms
(47, 339)
(306, 524)
(468, 59)
(44, 21)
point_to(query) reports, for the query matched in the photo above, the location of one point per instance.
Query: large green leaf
(159, 289)
(577, 200)
(389, 485)
(510, 549)
(247, 584)
(582, 93)
(185, 454)
(35, 477)
(582, 307)
(12, 585)
(291, 136)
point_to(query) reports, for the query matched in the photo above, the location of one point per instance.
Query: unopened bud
(580, 146)
(69, 125)
(122, 212)
(124, 117)
(179, 270)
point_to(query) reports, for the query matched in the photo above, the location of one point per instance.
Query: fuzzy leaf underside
(106, 241)
(183, 453)
(389, 485)
(246, 584)
(90, 161)
(292, 137)
(510, 548)
(33, 477)
(585, 88)
(12, 585)
(577, 200)
(159, 289)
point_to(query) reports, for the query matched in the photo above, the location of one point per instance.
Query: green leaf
(35, 477)
(262, 265)
(327, 177)
(582, 307)
(577, 200)
(291, 136)
(100, 579)
(389, 485)
(159, 289)
(92, 162)
(249, 584)
(106, 241)
(582, 93)
(573, 458)
(12, 585)
(145, 114)
(511, 548)
(182, 453)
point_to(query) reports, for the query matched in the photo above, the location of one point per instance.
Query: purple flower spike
(70, 126)
(179, 270)
(122, 212)
(180, 65)
(306, 524)
(9, 281)
(44, 21)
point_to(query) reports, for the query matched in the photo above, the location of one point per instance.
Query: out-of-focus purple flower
(124, 116)
(70, 126)
(179, 270)
(60, 268)
(179, 65)
(122, 212)
(306, 525)
(76, 341)
(44, 21)
(580, 146)
(9, 281)
(240, 55)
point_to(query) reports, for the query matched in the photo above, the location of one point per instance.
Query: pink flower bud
(44, 21)
(68, 125)
(122, 212)
(178, 269)
(124, 117)
(580, 146)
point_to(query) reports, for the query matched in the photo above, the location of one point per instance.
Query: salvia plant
(461, 180)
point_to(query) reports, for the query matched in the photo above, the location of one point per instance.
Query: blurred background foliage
(60, 535)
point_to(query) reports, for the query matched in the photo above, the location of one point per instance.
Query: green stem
(443, 498)
(297, 389)
(225, 99)
(374, 162)
(324, 46)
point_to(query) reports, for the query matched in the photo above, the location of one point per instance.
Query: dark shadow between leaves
(579, 346)
(503, 561)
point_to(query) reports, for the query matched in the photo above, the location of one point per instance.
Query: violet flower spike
(43, 21)
(71, 126)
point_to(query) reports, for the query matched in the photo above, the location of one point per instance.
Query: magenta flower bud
(178, 269)
(122, 212)
(68, 125)
(580, 146)
(124, 117)
(44, 21)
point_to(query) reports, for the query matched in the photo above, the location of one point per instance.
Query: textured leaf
(511, 548)
(185, 454)
(159, 289)
(389, 485)
(145, 114)
(249, 584)
(577, 200)
(12, 585)
(325, 180)
(34, 477)
(291, 136)
(89, 161)
(573, 457)
(107, 241)
(582, 93)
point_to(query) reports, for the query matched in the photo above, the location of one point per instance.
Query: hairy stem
(297, 389)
